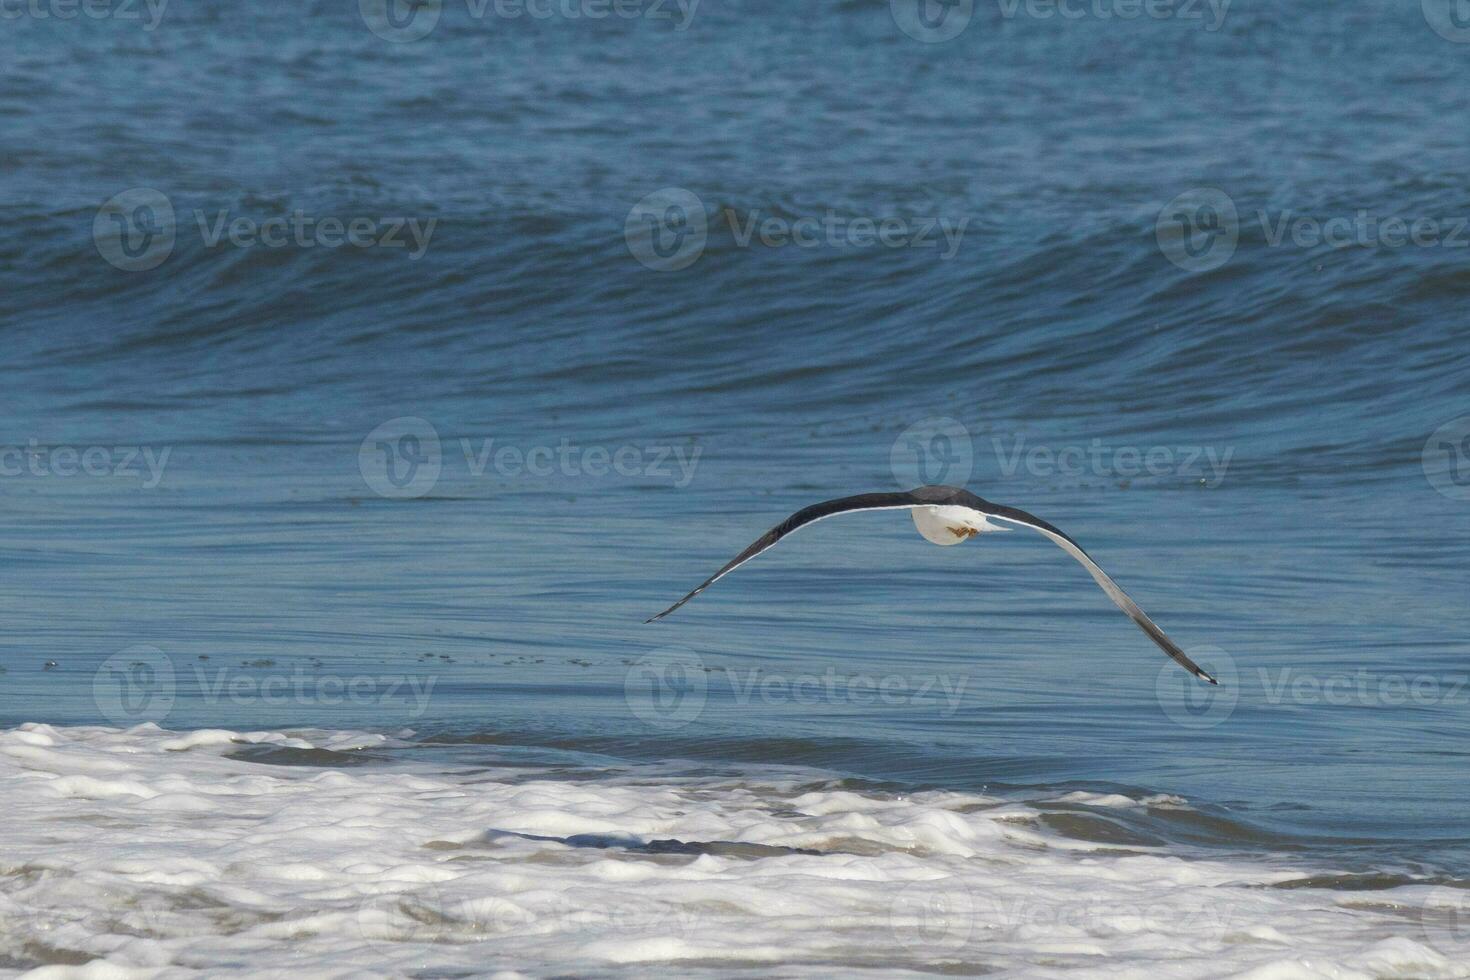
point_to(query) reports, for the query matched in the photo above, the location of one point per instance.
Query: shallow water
(1267, 452)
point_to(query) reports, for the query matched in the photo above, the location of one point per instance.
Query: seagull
(948, 516)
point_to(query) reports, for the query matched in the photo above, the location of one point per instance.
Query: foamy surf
(145, 853)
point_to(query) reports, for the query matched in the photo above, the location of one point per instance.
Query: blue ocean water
(626, 291)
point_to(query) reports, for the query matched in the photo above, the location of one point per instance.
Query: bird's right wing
(1115, 592)
(803, 517)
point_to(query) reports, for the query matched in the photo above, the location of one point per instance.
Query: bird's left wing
(1115, 592)
(803, 517)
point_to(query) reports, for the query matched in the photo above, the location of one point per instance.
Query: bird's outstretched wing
(954, 497)
(803, 517)
(1115, 592)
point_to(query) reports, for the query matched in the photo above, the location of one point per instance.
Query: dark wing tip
(1193, 668)
(654, 619)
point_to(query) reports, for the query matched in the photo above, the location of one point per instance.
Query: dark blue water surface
(1092, 357)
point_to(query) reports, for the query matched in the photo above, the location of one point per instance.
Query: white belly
(949, 525)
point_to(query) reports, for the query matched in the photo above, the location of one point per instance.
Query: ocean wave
(180, 857)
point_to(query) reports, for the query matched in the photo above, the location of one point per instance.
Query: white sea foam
(147, 853)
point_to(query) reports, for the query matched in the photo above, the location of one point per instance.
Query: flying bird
(948, 516)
